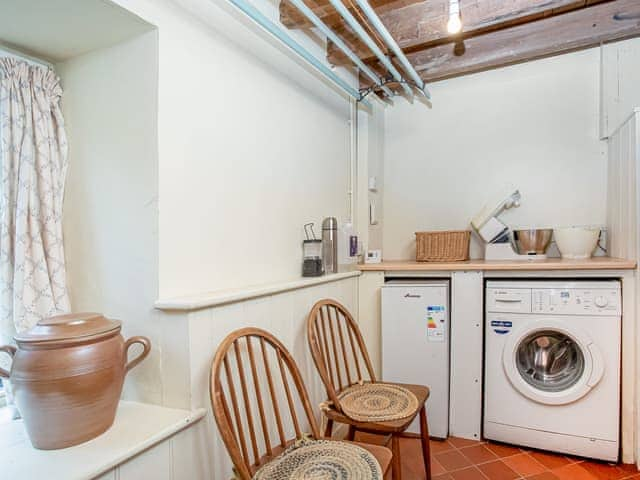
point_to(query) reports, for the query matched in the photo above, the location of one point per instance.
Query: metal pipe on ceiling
(364, 36)
(389, 40)
(281, 35)
(331, 35)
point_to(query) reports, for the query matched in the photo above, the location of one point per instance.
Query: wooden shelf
(223, 297)
(595, 263)
(137, 427)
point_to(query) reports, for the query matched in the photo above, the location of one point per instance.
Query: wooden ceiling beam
(572, 31)
(291, 17)
(423, 25)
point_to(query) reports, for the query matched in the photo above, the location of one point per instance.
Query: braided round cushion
(322, 460)
(377, 402)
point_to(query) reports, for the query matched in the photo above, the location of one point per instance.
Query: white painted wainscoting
(623, 236)
(179, 457)
(284, 315)
(623, 192)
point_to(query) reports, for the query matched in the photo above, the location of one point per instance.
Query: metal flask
(330, 245)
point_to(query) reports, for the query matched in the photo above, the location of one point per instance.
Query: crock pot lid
(68, 327)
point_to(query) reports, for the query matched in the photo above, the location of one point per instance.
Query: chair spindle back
(337, 348)
(246, 401)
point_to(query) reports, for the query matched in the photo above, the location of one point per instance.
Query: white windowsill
(137, 427)
(221, 297)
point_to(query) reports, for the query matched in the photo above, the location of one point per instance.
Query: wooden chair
(274, 377)
(342, 360)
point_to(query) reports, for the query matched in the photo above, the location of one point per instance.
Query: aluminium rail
(364, 36)
(331, 35)
(395, 48)
(258, 17)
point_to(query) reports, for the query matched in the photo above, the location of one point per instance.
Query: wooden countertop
(595, 263)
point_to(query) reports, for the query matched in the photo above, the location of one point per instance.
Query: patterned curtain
(33, 165)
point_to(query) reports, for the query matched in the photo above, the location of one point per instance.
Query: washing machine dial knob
(601, 302)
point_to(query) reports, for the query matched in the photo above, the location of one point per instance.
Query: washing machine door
(552, 364)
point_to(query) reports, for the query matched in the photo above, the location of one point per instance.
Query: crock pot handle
(146, 345)
(11, 351)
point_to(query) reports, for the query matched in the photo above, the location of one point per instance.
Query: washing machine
(552, 365)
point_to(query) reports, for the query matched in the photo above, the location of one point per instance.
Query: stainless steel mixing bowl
(533, 241)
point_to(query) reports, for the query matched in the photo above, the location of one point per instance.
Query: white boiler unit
(415, 343)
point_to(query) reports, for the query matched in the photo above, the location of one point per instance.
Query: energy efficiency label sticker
(436, 321)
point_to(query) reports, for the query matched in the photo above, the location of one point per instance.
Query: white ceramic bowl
(576, 242)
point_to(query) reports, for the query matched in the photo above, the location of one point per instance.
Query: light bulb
(454, 25)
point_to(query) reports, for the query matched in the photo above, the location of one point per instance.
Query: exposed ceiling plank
(290, 17)
(551, 36)
(423, 25)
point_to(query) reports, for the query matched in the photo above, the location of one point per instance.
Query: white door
(550, 363)
(415, 344)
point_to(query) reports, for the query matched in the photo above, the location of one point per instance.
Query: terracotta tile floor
(460, 459)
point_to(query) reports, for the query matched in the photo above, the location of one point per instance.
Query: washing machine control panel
(576, 301)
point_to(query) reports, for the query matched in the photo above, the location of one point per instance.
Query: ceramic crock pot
(67, 375)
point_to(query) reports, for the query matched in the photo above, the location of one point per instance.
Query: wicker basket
(448, 246)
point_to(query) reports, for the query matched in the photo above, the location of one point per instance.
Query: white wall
(111, 202)
(620, 80)
(252, 146)
(534, 125)
(371, 164)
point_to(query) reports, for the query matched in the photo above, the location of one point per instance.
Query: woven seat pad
(377, 402)
(322, 460)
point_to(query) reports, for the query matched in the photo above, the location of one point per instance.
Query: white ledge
(222, 297)
(137, 427)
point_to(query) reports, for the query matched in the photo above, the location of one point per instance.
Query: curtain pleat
(33, 161)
